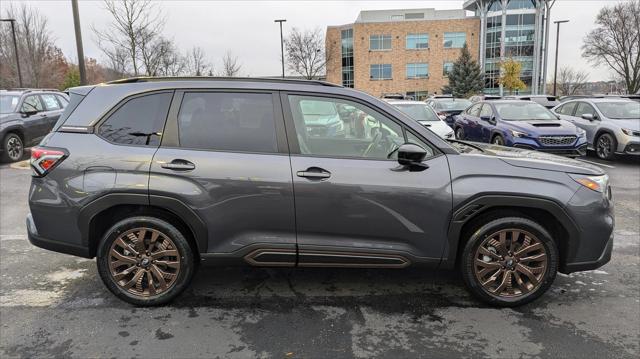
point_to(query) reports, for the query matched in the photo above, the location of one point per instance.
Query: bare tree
(35, 45)
(230, 65)
(196, 62)
(135, 28)
(305, 53)
(616, 42)
(570, 81)
(172, 63)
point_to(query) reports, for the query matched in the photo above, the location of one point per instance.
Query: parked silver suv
(612, 124)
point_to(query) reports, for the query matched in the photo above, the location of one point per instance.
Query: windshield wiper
(465, 143)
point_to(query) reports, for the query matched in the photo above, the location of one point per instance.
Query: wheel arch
(95, 218)
(548, 213)
(602, 130)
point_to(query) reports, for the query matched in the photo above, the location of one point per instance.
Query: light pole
(555, 70)
(76, 25)
(15, 47)
(281, 44)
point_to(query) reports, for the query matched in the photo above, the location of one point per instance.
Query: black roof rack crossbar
(213, 78)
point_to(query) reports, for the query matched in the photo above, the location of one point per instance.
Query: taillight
(43, 159)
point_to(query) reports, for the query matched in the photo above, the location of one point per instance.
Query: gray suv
(612, 124)
(155, 175)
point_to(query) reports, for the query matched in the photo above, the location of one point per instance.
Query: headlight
(581, 132)
(629, 132)
(596, 183)
(518, 133)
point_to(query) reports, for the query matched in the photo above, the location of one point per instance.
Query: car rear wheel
(606, 146)
(509, 262)
(13, 148)
(498, 140)
(459, 133)
(145, 261)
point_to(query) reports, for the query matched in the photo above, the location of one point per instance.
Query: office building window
(417, 71)
(380, 72)
(347, 57)
(417, 95)
(417, 41)
(520, 4)
(446, 68)
(379, 42)
(454, 40)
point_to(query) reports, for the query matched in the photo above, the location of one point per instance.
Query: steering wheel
(374, 143)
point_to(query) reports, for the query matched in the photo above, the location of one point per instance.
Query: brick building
(399, 51)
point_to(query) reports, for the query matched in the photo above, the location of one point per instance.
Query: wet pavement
(54, 305)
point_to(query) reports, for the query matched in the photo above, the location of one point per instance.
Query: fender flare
(176, 207)
(473, 207)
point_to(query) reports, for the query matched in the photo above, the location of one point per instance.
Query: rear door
(354, 205)
(52, 109)
(486, 128)
(224, 156)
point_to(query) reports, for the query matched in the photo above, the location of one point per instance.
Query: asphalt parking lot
(54, 305)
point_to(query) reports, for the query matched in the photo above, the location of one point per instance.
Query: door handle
(179, 165)
(314, 173)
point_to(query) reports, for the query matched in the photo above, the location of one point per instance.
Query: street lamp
(555, 70)
(76, 26)
(281, 43)
(15, 48)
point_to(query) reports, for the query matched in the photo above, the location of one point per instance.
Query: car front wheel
(145, 261)
(606, 146)
(509, 262)
(13, 148)
(459, 133)
(498, 140)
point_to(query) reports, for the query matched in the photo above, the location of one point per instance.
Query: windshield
(523, 111)
(418, 112)
(324, 108)
(620, 110)
(453, 105)
(8, 103)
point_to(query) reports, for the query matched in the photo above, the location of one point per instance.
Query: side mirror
(410, 155)
(28, 113)
(489, 119)
(588, 116)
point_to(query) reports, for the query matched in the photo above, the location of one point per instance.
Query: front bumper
(578, 148)
(604, 258)
(632, 148)
(61, 247)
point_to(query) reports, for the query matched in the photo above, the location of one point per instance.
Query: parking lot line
(596, 163)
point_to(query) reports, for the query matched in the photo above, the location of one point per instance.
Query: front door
(222, 157)
(590, 126)
(52, 109)
(354, 205)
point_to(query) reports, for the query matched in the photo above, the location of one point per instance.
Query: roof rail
(214, 78)
(29, 89)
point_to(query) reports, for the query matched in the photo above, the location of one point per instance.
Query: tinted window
(227, 122)
(8, 103)
(139, 121)
(567, 109)
(340, 128)
(486, 110)
(32, 103)
(50, 102)
(474, 110)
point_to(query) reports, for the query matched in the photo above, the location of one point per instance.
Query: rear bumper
(56, 246)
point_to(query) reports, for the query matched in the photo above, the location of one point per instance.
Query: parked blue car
(522, 124)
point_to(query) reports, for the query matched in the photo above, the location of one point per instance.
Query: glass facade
(380, 72)
(454, 40)
(417, 41)
(417, 95)
(417, 71)
(379, 42)
(347, 57)
(446, 68)
(511, 36)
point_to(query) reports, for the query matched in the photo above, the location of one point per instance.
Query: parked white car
(425, 115)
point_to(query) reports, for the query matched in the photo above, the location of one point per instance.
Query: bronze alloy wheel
(510, 263)
(144, 262)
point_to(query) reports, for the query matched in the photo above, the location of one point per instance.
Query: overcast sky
(246, 28)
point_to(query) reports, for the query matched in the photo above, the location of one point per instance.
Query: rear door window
(139, 121)
(63, 101)
(50, 102)
(242, 122)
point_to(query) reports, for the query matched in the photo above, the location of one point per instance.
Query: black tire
(459, 133)
(606, 146)
(12, 148)
(525, 227)
(185, 257)
(498, 140)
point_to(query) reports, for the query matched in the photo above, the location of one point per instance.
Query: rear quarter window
(139, 121)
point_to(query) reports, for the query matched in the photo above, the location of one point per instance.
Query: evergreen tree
(465, 79)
